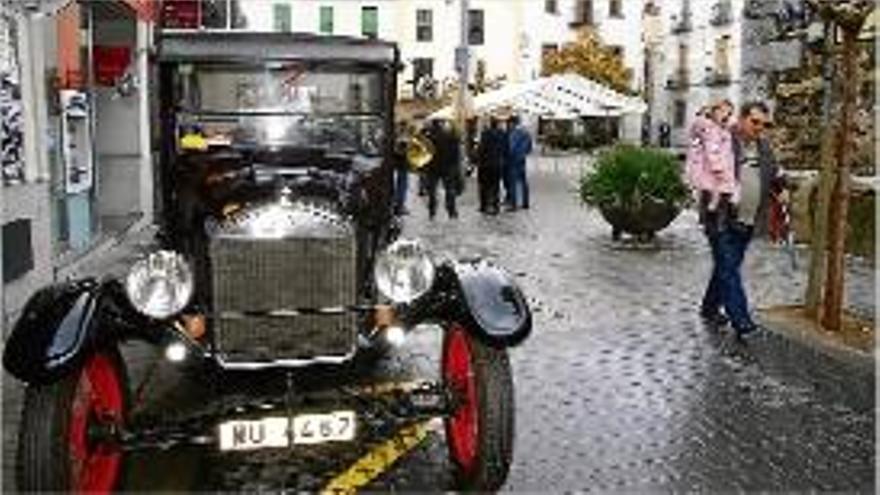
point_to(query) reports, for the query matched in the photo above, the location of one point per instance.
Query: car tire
(480, 432)
(54, 453)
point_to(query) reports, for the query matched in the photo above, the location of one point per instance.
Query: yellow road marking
(377, 461)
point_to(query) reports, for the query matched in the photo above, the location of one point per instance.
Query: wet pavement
(620, 387)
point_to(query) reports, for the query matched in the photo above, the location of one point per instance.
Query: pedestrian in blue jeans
(729, 227)
(401, 170)
(519, 147)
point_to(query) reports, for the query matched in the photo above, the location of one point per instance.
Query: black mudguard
(59, 325)
(488, 298)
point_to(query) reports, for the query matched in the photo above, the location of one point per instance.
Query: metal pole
(463, 60)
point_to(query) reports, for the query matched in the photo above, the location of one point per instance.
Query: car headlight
(160, 285)
(404, 271)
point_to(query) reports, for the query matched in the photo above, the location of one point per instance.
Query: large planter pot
(642, 221)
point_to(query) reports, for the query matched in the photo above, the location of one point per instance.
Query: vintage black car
(278, 250)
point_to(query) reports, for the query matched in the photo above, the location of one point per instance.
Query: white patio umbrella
(563, 96)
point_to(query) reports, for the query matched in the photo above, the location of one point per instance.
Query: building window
(423, 78)
(370, 22)
(326, 20)
(680, 116)
(615, 8)
(281, 16)
(476, 27)
(683, 57)
(583, 13)
(722, 55)
(551, 7)
(424, 25)
(547, 50)
(215, 14)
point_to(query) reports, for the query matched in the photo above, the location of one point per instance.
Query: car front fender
(495, 305)
(57, 327)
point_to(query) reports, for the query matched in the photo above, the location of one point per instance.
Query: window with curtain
(424, 25)
(583, 13)
(680, 116)
(722, 55)
(281, 17)
(476, 27)
(615, 8)
(370, 22)
(326, 20)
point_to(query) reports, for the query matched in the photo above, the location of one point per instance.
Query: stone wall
(782, 64)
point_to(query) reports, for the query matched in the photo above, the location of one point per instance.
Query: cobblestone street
(620, 388)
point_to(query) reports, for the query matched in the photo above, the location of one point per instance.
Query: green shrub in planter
(638, 190)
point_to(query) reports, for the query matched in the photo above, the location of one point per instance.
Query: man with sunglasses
(730, 227)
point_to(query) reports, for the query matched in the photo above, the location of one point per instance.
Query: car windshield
(283, 104)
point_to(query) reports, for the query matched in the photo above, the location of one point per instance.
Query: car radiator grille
(283, 274)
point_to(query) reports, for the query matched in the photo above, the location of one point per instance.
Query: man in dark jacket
(490, 158)
(729, 227)
(444, 167)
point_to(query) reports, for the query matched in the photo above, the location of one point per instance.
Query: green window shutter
(281, 13)
(370, 22)
(326, 21)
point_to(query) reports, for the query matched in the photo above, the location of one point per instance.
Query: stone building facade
(782, 65)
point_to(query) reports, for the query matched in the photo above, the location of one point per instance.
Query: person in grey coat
(729, 228)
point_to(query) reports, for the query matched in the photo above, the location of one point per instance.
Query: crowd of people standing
(499, 158)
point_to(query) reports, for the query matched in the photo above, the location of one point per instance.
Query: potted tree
(639, 191)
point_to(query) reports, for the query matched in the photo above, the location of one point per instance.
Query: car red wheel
(480, 430)
(462, 426)
(97, 404)
(63, 441)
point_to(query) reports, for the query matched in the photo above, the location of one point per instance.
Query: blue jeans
(401, 185)
(521, 186)
(725, 288)
(509, 185)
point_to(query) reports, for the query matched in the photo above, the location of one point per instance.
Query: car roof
(219, 46)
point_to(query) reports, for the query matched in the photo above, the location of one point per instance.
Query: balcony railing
(679, 79)
(683, 24)
(722, 14)
(718, 77)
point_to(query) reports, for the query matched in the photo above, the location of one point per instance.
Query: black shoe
(714, 318)
(747, 331)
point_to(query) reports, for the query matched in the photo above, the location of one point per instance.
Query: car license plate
(277, 432)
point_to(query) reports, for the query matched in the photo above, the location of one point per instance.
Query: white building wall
(514, 30)
(701, 40)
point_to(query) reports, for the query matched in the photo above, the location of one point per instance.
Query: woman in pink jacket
(710, 161)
